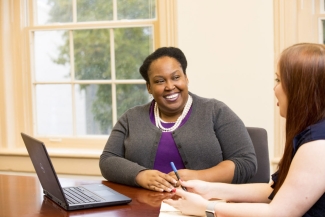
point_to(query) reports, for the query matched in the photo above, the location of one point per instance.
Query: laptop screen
(43, 167)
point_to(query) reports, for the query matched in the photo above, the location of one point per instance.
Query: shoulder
(317, 130)
(312, 133)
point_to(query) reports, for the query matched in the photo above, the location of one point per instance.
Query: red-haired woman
(298, 186)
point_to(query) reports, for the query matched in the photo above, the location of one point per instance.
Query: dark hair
(302, 75)
(161, 52)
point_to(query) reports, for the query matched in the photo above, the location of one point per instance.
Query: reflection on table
(23, 196)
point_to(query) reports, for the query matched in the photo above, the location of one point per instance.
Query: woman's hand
(202, 188)
(193, 185)
(185, 174)
(189, 203)
(155, 181)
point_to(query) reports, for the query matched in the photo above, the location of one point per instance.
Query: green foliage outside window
(92, 57)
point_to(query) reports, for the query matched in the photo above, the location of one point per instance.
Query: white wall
(230, 51)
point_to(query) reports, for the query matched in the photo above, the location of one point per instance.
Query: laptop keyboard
(76, 195)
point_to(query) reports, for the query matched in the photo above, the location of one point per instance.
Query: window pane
(53, 110)
(54, 11)
(93, 109)
(51, 55)
(136, 9)
(129, 96)
(92, 54)
(94, 10)
(132, 46)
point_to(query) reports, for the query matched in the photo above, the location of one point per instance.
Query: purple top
(167, 151)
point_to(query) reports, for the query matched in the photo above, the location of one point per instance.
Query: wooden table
(22, 196)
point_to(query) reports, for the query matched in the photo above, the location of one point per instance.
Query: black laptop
(70, 198)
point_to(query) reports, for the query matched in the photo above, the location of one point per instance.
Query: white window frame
(320, 30)
(321, 7)
(16, 93)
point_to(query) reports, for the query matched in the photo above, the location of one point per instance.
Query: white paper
(169, 211)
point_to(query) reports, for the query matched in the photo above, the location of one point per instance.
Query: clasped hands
(193, 202)
(157, 181)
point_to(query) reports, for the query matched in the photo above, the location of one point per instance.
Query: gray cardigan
(213, 133)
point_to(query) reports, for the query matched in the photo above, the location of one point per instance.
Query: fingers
(185, 183)
(156, 186)
(189, 203)
(171, 178)
(174, 179)
(189, 183)
(161, 184)
(180, 192)
(156, 181)
(172, 175)
(171, 202)
(176, 203)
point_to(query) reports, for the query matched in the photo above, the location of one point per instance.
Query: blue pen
(176, 173)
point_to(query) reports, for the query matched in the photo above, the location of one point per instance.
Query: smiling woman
(169, 90)
(203, 137)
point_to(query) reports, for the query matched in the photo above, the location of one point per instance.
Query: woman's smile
(172, 97)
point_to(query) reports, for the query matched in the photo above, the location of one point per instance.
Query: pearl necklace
(179, 119)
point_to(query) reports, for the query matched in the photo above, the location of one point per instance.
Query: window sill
(65, 161)
(56, 152)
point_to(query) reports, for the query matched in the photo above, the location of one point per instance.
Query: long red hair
(302, 75)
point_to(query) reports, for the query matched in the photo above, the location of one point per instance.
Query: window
(85, 75)
(76, 63)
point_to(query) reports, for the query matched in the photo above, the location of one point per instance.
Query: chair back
(259, 139)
